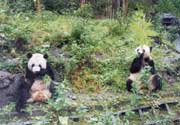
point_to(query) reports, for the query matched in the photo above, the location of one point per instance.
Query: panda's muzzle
(36, 69)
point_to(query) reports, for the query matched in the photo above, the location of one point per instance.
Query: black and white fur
(142, 60)
(36, 68)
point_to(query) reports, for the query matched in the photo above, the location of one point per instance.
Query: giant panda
(140, 62)
(33, 88)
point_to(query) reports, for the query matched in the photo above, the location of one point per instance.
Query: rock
(17, 79)
(99, 107)
(56, 52)
(156, 39)
(177, 43)
(13, 61)
(20, 44)
(167, 19)
(2, 39)
(74, 118)
(63, 120)
(8, 87)
(4, 79)
(4, 74)
(99, 56)
(73, 97)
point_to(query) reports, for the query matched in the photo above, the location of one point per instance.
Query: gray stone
(63, 120)
(168, 19)
(8, 87)
(177, 43)
(73, 97)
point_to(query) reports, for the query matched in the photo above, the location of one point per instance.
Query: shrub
(172, 6)
(120, 25)
(85, 11)
(20, 5)
(140, 29)
(61, 6)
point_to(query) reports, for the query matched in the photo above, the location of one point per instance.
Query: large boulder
(167, 19)
(8, 87)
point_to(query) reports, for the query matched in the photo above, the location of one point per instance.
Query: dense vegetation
(89, 55)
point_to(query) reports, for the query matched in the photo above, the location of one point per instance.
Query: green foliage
(85, 11)
(8, 66)
(60, 103)
(120, 25)
(61, 6)
(85, 38)
(106, 118)
(172, 6)
(78, 29)
(145, 75)
(140, 29)
(20, 5)
(99, 6)
(55, 106)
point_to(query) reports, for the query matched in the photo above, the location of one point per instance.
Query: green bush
(85, 11)
(140, 29)
(61, 6)
(120, 25)
(20, 5)
(172, 6)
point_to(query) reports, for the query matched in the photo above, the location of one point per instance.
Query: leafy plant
(20, 5)
(166, 6)
(61, 6)
(85, 11)
(106, 118)
(55, 106)
(140, 29)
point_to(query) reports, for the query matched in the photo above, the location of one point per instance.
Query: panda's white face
(37, 62)
(143, 49)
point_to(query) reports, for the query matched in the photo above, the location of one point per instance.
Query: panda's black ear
(45, 56)
(151, 48)
(29, 55)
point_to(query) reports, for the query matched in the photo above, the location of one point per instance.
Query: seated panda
(33, 87)
(143, 60)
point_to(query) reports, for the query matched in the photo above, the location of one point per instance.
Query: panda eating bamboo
(33, 88)
(139, 63)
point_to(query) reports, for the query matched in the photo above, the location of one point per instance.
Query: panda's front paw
(30, 100)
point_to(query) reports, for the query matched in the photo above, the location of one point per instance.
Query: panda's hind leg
(129, 85)
(22, 95)
(156, 83)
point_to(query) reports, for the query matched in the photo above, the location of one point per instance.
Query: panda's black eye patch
(40, 66)
(32, 65)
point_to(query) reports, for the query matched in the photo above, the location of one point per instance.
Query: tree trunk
(82, 2)
(125, 7)
(38, 5)
(114, 7)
